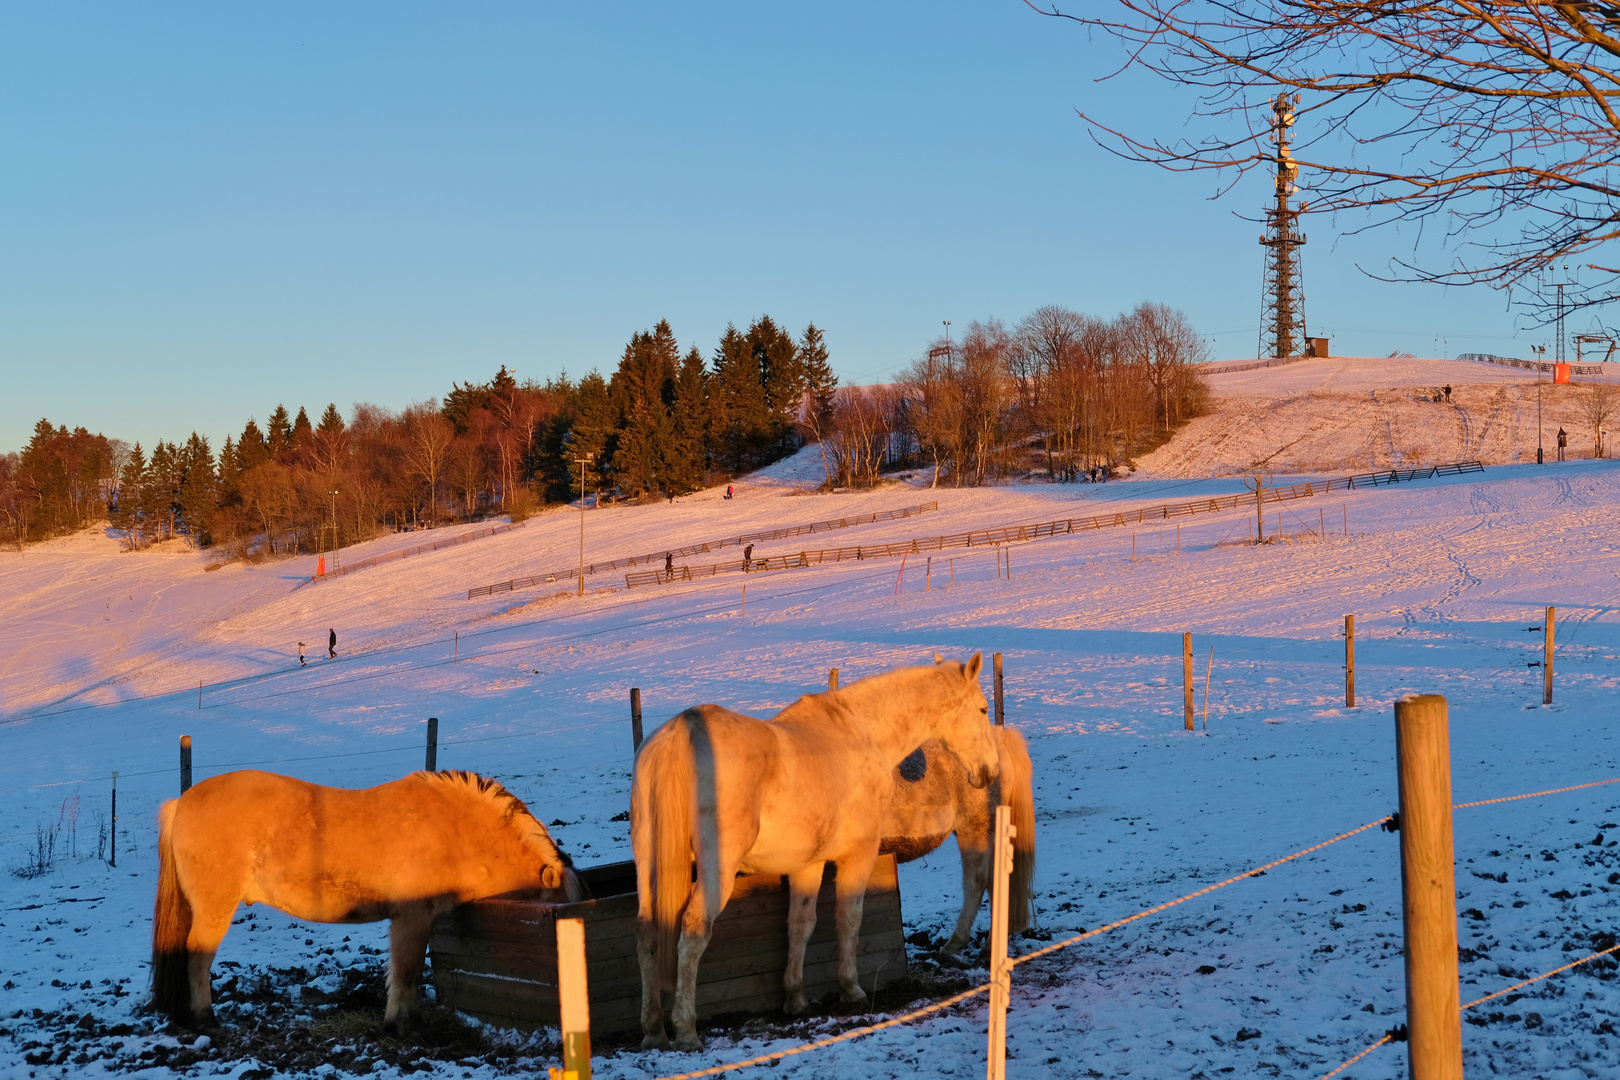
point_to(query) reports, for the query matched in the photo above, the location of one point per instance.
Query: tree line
(663, 424)
(1061, 394)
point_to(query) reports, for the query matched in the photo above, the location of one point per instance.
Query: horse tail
(171, 925)
(1018, 791)
(663, 802)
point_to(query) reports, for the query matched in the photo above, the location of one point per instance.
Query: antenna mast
(1282, 314)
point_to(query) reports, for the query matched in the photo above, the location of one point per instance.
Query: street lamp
(947, 323)
(582, 462)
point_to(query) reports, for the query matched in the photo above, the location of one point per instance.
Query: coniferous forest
(1060, 395)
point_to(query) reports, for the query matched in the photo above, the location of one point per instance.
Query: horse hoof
(689, 1043)
(795, 1005)
(857, 998)
(655, 1042)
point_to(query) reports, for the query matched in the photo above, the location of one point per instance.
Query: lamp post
(1541, 355)
(947, 323)
(582, 462)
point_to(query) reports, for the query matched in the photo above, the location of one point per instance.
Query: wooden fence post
(1001, 715)
(832, 679)
(574, 1000)
(185, 764)
(1349, 661)
(113, 839)
(1547, 657)
(928, 576)
(432, 745)
(1000, 969)
(635, 718)
(1187, 681)
(1428, 887)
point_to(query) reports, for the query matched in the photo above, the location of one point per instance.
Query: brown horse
(781, 796)
(934, 797)
(406, 851)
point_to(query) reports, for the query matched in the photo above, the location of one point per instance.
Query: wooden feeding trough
(496, 959)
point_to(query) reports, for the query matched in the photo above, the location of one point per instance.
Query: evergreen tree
(301, 427)
(199, 489)
(781, 370)
(591, 433)
(279, 435)
(819, 380)
(161, 494)
(464, 400)
(739, 421)
(252, 449)
(331, 421)
(643, 389)
(688, 463)
(131, 487)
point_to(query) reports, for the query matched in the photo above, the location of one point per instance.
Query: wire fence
(1010, 534)
(784, 533)
(1392, 1036)
(1531, 365)
(421, 549)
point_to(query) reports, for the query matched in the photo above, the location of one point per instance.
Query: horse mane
(496, 794)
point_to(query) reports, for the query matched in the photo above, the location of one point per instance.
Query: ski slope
(1358, 414)
(102, 653)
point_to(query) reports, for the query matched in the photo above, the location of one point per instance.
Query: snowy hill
(1356, 414)
(101, 654)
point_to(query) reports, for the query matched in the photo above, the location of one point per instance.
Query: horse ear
(938, 659)
(550, 877)
(972, 668)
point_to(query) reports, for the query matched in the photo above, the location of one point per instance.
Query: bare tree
(1495, 120)
(429, 439)
(1598, 404)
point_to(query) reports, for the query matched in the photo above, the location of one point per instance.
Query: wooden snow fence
(1017, 534)
(657, 558)
(496, 959)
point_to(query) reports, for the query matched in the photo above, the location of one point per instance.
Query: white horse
(810, 786)
(934, 797)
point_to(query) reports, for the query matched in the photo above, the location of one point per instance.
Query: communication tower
(1282, 306)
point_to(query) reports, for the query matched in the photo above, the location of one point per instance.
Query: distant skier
(748, 557)
(331, 644)
(301, 661)
(1563, 441)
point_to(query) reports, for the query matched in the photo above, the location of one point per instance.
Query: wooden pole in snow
(113, 848)
(1187, 680)
(1207, 673)
(1000, 969)
(1547, 657)
(573, 999)
(432, 764)
(1349, 661)
(185, 764)
(635, 718)
(832, 679)
(1001, 716)
(1428, 887)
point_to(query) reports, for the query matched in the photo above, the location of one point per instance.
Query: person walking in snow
(748, 557)
(669, 562)
(728, 491)
(331, 644)
(1563, 441)
(301, 661)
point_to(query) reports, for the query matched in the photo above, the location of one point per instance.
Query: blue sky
(207, 209)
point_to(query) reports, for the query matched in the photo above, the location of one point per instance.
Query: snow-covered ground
(101, 654)
(1356, 414)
